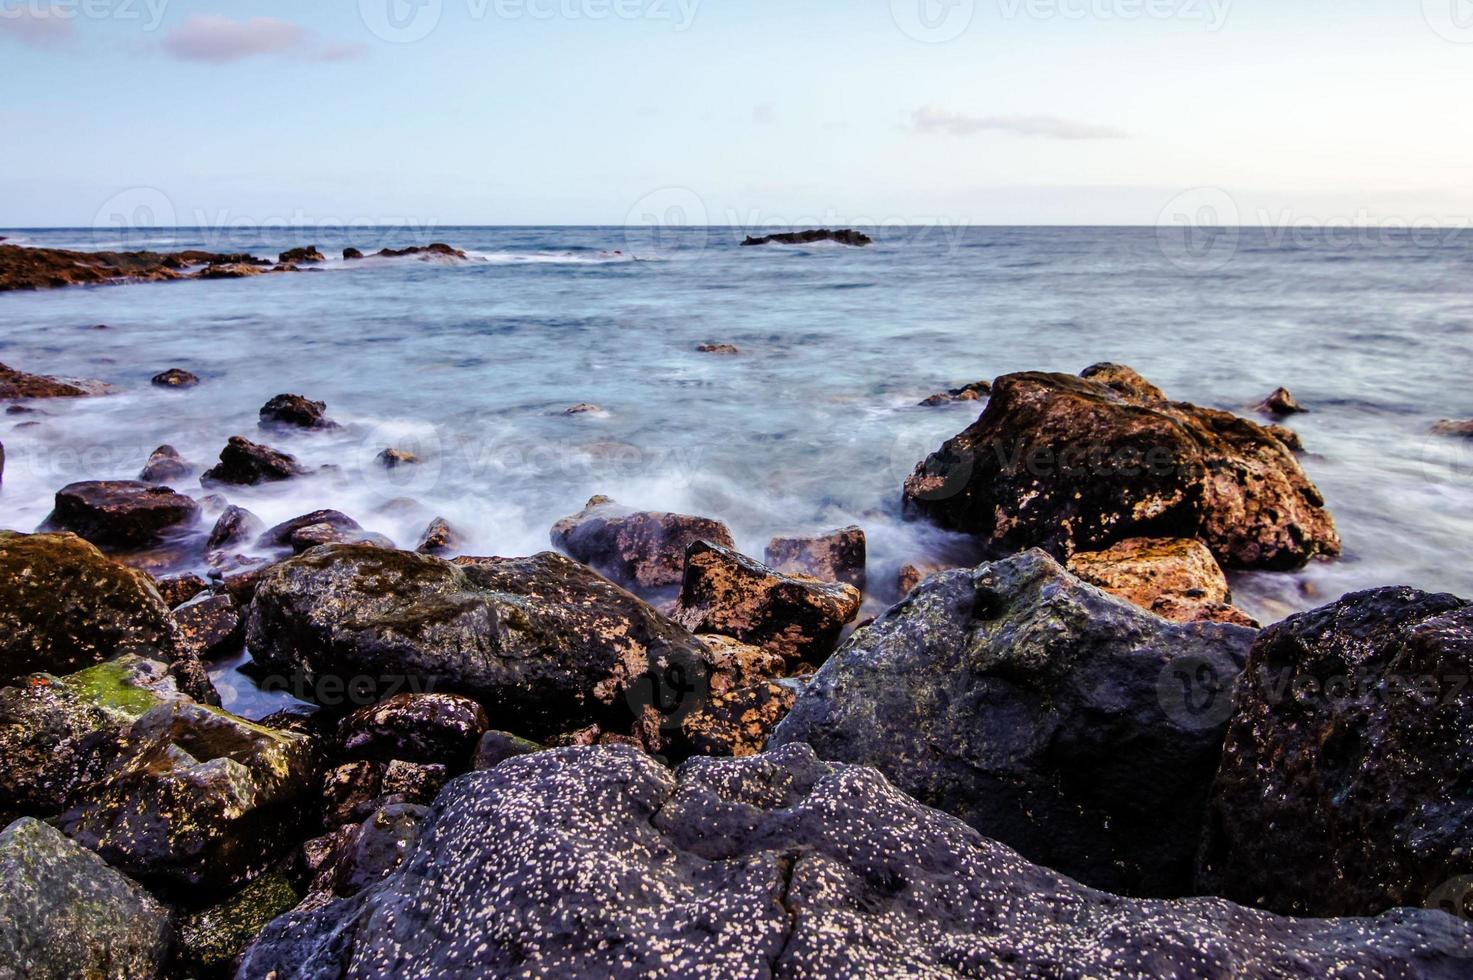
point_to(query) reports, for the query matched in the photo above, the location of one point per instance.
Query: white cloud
(220, 40)
(37, 27)
(931, 119)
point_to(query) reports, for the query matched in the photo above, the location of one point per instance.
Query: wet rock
(394, 458)
(437, 249)
(179, 589)
(777, 866)
(121, 513)
(976, 391)
(1174, 578)
(1449, 427)
(65, 914)
(583, 408)
(235, 527)
(1287, 436)
(48, 268)
(718, 349)
(306, 254)
(290, 534)
(846, 236)
(1280, 403)
(175, 378)
(165, 465)
(18, 384)
(636, 549)
(350, 792)
(64, 606)
(727, 592)
(914, 573)
(351, 253)
(543, 643)
(439, 539)
(1041, 711)
(363, 855)
(212, 624)
(738, 722)
(295, 412)
(1078, 464)
(494, 748)
(210, 941)
(230, 270)
(1346, 784)
(838, 556)
(246, 463)
(198, 801)
(430, 728)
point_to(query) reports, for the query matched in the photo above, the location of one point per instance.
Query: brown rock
(247, 463)
(230, 270)
(718, 349)
(1077, 464)
(235, 527)
(49, 268)
(976, 391)
(165, 465)
(439, 539)
(1449, 427)
(295, 412)
(18, 384)
(121, 513)
(1287, 436)
(395, 458)
(176, 590)
(212, 624)
(1280, 403)
(636, 549)
(738, 722)
(307, 254)
(726, 592)
(1175, 578)
(439, 249)
(838, 556)
(175, 378)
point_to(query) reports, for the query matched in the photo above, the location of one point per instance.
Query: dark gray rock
(636, 549)
(598, 862)
(1041, 711)
(175, 378)
(211, 624)
(1346, 785)
(295, 412)
(235, 527)
(340, 528)
(246, 463)
(121, 513)
(494, 748)
(165, 465)
(65, 914)
(431, 728)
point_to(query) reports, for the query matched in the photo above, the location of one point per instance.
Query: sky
(740, 112)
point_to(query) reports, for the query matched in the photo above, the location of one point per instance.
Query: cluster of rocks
(661, 756)
(844, 236)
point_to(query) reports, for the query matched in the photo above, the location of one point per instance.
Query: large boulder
(1078, 464)
(728, 593)
(636, 549)
(121, 513)
(246, 463)
(601, 862)
(65, 914)
(1175, 578)
(65, 606)
(838, 556)
(1041, 711)
(429, 728)
(1346, 784)
(544, 643)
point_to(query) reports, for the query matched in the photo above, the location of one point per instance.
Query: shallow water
(814, 425)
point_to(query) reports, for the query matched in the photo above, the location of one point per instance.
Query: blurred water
(815, 425)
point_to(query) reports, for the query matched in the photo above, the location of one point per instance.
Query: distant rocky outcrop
(18, 384)
(49, 268)
(846, 236)
(308, 253)
(435, 249)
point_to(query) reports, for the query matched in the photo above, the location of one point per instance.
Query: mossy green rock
(65, 606)
(209, 941)
(65, 914)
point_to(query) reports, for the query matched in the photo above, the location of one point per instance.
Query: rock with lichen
(65, 914)
(429, 728)
(777, 866)
(210, 941)
(837, 556)
(1043, 712)
(1175, 578)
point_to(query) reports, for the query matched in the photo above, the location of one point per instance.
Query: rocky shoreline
(648, 754)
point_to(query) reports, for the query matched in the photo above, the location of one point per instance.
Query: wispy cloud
(39, 27)
(220, 40)
(931, 119)
(765, 114)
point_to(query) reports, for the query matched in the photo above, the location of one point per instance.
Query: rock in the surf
(295, 412)
(636, 549)
(246, 463)
(165, 465)
(121, 514)
(439, 538)
(1280, 403)
(19, 384)
(1346, 785)
(1078, 464)
(1451, 427)
(1043, 712)
(235, 527)
(174, 378)
(782, 866)
(308, 253)
(838, 556)
(844, 236)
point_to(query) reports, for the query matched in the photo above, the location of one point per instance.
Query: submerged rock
(121, 513)
(974, 392)
(18, 384)
(838, 556)
(295, 412)
(165, 465)
(174, 378)
(245, 463)
(776, 866)
(1078, 464)
(1175, 578)
(727, 592)
(439, 539)
(1346, 784)
(1449, 427)
(543, 643)
(65, 914)
(636, 549)
(845, 236)
(1043, 712)
(717, 349)
(64, 606)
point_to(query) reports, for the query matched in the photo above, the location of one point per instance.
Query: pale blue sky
(751, 112)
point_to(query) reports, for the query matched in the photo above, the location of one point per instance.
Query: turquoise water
(814, 425)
